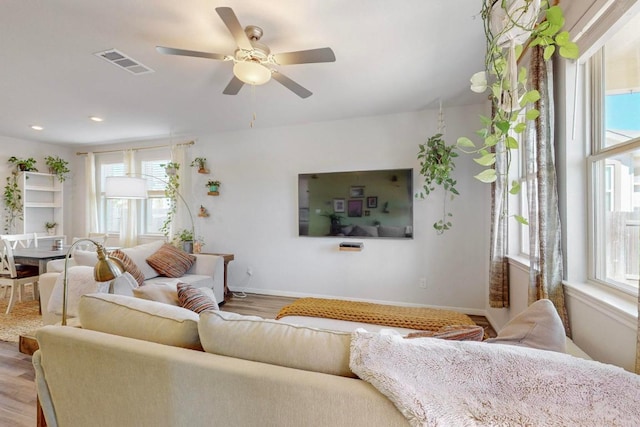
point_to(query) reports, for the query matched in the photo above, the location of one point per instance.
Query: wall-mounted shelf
(351, 246)
(213, 193)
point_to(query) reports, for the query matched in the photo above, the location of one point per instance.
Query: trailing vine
(436, 165)
(13, 205)
(510, 26)
(171, 193)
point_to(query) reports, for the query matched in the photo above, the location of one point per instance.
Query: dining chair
(98, 237)
(26, 240)
(15, 276)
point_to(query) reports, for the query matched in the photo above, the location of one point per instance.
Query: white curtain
(91, 218)
(129, 222)
(183, 218)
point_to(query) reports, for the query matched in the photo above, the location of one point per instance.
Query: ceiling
(391, 56)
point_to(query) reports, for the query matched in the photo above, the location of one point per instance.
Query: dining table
(38, 256)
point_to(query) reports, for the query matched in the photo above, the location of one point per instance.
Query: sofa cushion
(275, 342)
(390, 231)
(139, 255)
(195, 299)
(160, 292)
(80, 281)
(129, 266)
(140, 319)
(171, 261)
(539, 326)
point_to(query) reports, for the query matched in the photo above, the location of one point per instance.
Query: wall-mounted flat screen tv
(361, 204)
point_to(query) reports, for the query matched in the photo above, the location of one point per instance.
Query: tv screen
(361, 204)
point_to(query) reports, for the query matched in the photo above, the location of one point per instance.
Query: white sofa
(136, 362)
(207, 271)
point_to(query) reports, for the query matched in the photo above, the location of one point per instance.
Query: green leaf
(548, 52)
(485, 120)
(522, 220)
(555, 16)
(486, 160)
(503, 125)
(529, 97)
(520, 127)
(512, 143)
(570, 51)
(532, 114)
(562, 39)
(465, 142)
(491, 140)
(515, 187)
(487, 176)
(482, 133)
(518, 50)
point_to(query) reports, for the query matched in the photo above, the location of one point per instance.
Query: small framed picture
(367, 213)
(338, 205)
(355, 208)
(372, 202)
(357, 191)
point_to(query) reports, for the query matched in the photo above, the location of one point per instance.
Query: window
(614, 164)
(152, 211)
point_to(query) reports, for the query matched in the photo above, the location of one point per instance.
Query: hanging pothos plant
(171, 192)
(510, 26)
(436, 166)
(13, 205)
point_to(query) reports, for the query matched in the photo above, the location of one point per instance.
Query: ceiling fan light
(252, 73)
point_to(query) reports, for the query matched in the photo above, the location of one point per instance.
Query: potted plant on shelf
(335, 227)
(25, 165)
(58, 167)
(51, 227)
(213, 185)
(201, 164)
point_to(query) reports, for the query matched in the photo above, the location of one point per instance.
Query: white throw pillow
(88, 258)
(80, 281)
(275, 342)
(139, 255)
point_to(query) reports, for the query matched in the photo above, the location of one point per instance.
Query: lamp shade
(251, 72)
(125, 187)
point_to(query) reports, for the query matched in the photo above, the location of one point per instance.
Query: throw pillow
(453, 332)
(159, 292)
(171, 261)
(88, 258)
(80, 281)
(195, 299)
(539, 326)
(275, 342)
(129, 266)
(139, 255)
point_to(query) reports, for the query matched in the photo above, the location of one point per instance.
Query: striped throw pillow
(129, 266)
(194, 299)
(453, 332)
(170, 261)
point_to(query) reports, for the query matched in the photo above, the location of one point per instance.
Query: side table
(27, 344)
(227, 259)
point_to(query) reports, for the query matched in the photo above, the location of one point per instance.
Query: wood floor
(17, 388)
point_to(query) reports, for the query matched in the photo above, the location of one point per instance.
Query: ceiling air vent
(123, 61)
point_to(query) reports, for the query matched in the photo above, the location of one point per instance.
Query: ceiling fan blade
(324, 54)
(291, 85)
(231, 21)
(233, 87)
(183, 52)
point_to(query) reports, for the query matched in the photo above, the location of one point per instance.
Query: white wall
(255, 216)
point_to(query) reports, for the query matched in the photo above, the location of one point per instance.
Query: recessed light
(36, 127)
(96, 118)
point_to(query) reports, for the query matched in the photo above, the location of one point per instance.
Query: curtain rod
(79, 153)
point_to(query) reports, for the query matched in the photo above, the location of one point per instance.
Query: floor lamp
(106, 269)
(132, 186)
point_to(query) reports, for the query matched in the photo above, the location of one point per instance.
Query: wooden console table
(227, 259)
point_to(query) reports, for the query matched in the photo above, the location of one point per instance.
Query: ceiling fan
(253, 61)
